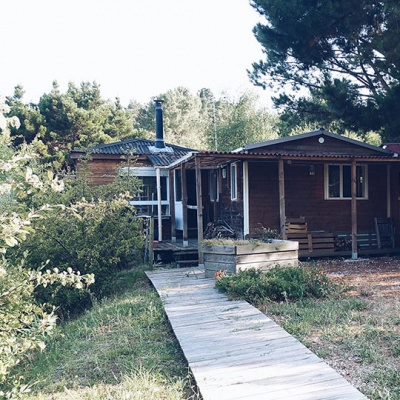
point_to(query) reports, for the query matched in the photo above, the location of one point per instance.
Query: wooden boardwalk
(235, 351)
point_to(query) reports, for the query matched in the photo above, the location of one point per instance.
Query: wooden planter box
(232, 258)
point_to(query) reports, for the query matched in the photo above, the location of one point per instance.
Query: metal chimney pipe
(159, 143)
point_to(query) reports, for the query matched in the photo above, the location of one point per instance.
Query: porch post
(184, 208)
(199, 209)
(159, 213)
(246, 217)
(354, 254)
(172, 204)
(388, 192)
(282, 210)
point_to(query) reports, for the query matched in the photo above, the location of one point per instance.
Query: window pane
(148, 189)
(178, 185)
(334, 181)
(163, 181)
(360, 181)
(213, 185)
(233, 182)
(346, 181)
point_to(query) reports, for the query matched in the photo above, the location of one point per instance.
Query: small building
(147, 160)
(336, 190)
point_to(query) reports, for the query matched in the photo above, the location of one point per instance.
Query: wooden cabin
(142, 159)
(335, 195)
(148, 161)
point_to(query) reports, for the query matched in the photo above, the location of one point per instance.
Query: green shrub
(278, 284)
(97, 237)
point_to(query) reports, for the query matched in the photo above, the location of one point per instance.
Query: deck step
(190, 262)
(182, 253)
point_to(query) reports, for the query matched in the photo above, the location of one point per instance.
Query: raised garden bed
(232, 257)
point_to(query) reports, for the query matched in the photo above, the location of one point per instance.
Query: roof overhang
(212, 160)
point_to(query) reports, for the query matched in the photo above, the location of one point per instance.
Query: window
(148, 189)
(213, 185)
(233, 181)
(178, 185)
(338, 182)
(145, 200)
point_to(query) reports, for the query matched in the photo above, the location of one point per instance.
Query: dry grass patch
(359, 333)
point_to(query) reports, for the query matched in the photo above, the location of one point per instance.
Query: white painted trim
(246, 214)
(234, 181)
(326, 182)
(388, 192)
(158, 178)
(142, 171)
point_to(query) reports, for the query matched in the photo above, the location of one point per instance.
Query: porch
(339, 185)
(175, 252)
(169, 252)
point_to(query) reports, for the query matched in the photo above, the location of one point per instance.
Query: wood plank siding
(304, 196)
(103, 169)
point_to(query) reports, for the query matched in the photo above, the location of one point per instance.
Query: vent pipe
(159, 143)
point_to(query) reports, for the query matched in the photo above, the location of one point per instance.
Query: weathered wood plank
(219, 249)
(261, 257)
(236, 352)
(274, 246)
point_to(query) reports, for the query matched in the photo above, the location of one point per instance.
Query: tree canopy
(346, 53)
(78, 118)
(81, 118)
(203, 121)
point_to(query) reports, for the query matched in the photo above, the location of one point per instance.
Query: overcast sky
(135, 49)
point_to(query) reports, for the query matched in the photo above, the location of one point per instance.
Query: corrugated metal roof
(317, 132)
(395, 147)
(144, 147)
(295, 155)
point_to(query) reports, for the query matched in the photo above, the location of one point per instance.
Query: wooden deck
(167, 252)
(235, 351)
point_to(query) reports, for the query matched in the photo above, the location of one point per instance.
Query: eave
(211, 160)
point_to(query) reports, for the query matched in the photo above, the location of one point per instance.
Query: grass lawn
(123, 348)
(359, 338)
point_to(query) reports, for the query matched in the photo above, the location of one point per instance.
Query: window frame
(213, 174)
(234, 181)
(341, 181)
(142, 172)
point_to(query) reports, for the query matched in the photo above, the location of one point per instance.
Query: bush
(97, 237)
(278, 284)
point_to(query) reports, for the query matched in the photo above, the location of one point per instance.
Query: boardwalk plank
(235, 351)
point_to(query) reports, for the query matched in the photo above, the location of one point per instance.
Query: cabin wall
(263, 196)
(304, 196)
(99, 172)
(231, 211)
(228, 210)
(313, 145)
(103, 171)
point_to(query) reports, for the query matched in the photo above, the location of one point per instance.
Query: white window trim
(326, 182)
(211, 185)
(146, 172)
(234, 181)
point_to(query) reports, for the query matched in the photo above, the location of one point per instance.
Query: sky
(134, 49)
